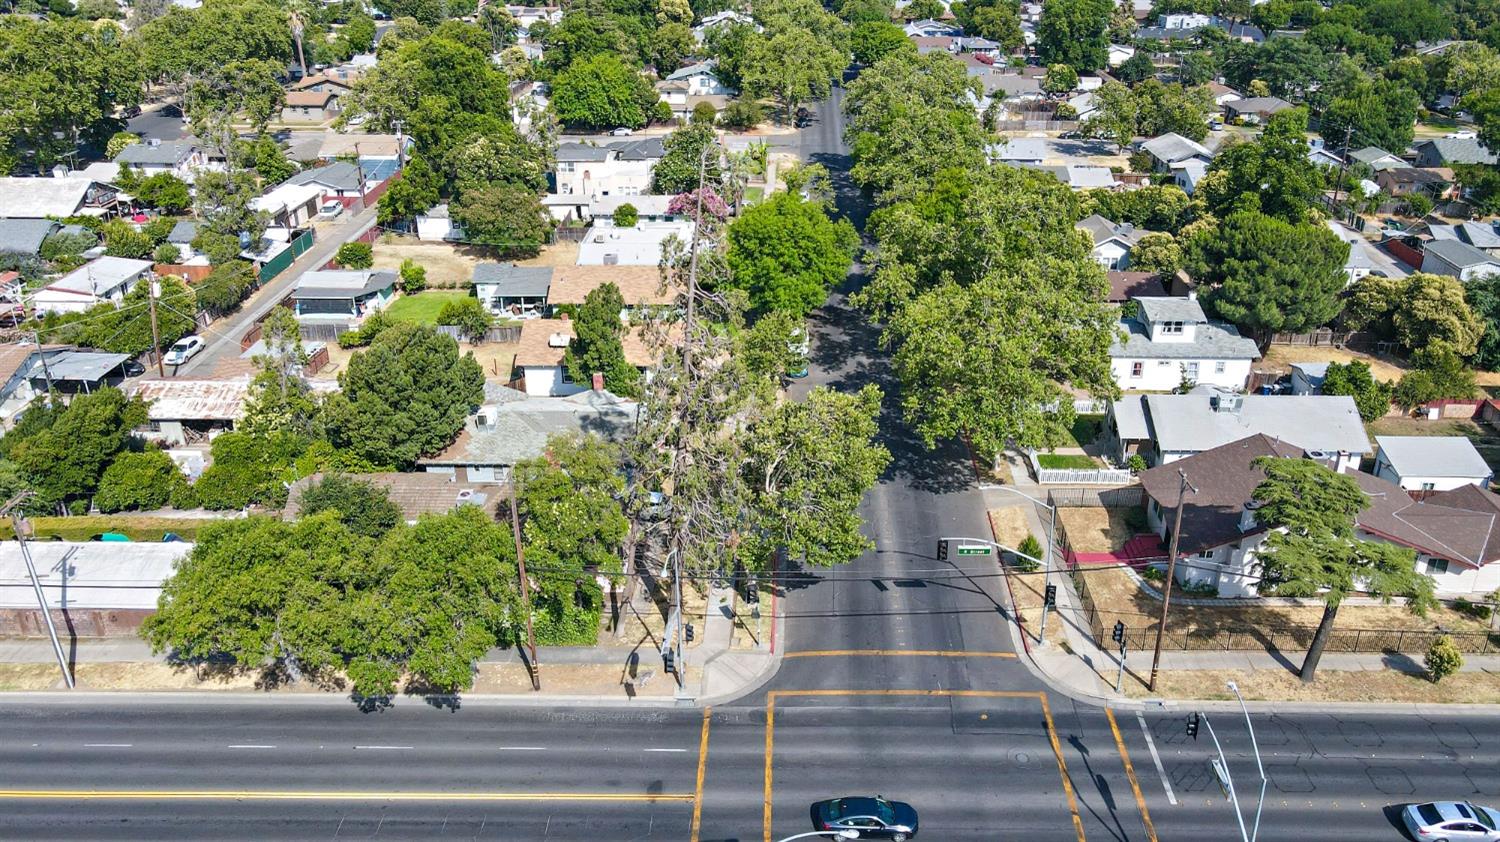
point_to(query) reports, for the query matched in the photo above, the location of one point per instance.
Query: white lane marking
(384, 748)
(521, 748)
(1156, 758)
(108, 745)
(251, 746)
(666, 750)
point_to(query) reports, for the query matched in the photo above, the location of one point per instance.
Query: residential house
(1376, 159)
(1455, 533)
(685, 88)
(513, 426)
(181, 158)
(980, 46)
(1185, 21)
(93, 589)
(57, 197)
(19, 384)
(1014, 89)
(335, 146)
(325, 83)
(1484, 236)
(437, 225)
(512, 290)
(722, 19)
(1404, 181)
(180, 413)
(1170, 340)
(640, 286)
(1084, 177)
(620, 168)
(290, 205)
(1166, 428)
(1187, 174)
(1247, 33)
(12, 298)
(1307, 378)
(929, 28)
(182, 236)
(25, 236)
(101, 279)
(1083, 105)
(528, 98)
(1172, 148)
(341, 181)
(1255, 109)
(1430, 463)
(935, 44)
(1223, 93)
(309, 106)
(542, 348)
(640, 245)
(1019, 151)
(1112, 242)
(1320, 155)
(601, 209)
(527, 16)
(1448, 151)
(342, 296)
(1458, 259)
(1360, 261)
(1119, 54)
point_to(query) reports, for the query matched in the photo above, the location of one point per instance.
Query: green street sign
(973, 549)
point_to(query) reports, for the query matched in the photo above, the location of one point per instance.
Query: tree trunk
(1319, 642)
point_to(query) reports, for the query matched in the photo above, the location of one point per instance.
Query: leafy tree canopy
(1267, 275)
(602, 92)
(65, 460)
(597, 347)
(362, 507)
(786, 253)
(1075, 33)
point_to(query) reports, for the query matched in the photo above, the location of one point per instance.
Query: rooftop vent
(558, 340)
(1228, 403)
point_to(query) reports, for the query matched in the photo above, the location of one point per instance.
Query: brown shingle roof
(308, 99)
(1127, 285)
(638, 284)
(1225, 480)
(535, 347)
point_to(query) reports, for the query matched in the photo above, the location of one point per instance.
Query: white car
(183, 350)
(1451, 821)
(622, 132)
(330, 210)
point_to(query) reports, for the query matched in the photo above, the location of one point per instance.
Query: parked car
(183, 350)
(623, 132)
(869, 817)
(132, 368)
(329, 210)
(1452, 821)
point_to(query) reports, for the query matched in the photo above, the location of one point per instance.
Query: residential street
(901, 677)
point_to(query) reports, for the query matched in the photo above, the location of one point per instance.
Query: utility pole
(155, 332)
(12, 508)
(400, 146)
(1343, 163)
(515, 531)
(1166, 592)
(36, 339)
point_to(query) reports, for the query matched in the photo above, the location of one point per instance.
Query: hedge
(84, 528)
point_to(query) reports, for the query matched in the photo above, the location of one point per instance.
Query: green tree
(117, 143)
(500, 24)
(412, 194)
(1271, 175)
(500, 158)
(729, 45)
(1137, 68)
(601, 92)
(166, 253)
(671, 44)
(1443, 658)
(225, 287)
(1060, 79)
(873, 40)
(362, 507)
(507, 217)
(1376, 113)
(64, 461)
(999, 22)
(1433, 309)
(469, 316)
(121, 239)
(1483, 295)
(1371, 397)
(1075, 33)
(1173, 108)
(269, 161)
(597, 347)
(222, 203)
(1157, 253)
(249, 470)
(139, 481)
(436, 84)
(280, 400)
(1269, 276)
(1117, 114)
(794, 67)
(1438, 374)
(1154, 207)
(1371, 302)
(406, 396)
(355, 256)
(786, 253)
(1313, 550)
(413, 276)
(626, 216)
(680, 166)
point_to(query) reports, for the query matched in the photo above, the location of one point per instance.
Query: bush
(137, 481)
(1153, 574)
(1417, 204)
(355, 256)
(67, 245)
(225, 287)
(704, 114)
(1136, 463)
(742, 114)
(363, 507)
(1030, 546)
(469, 316)
(1443, 659)
(413, 276)
(166, 253)
(363, 335)
(626, 216)
(121, 239)
(86, 528)
(1472, 609)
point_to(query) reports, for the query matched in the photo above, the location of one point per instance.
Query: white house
(526, 16)
(1112, 242)
(1307, 378)
(722, 19)
(58, 197)
(290, 205)
(1430, 463)
(1165, 428)
(102, 279)
(617, 169)
(640, 245)
(1119, 54)
(1187, 174)
(1171, 340)
(1359, 263)
(1172, 148)
(1458, 259)
(510, 289)
(686, 87)
(342, 296)
(437, 224)
(542, 348)
(182, 158)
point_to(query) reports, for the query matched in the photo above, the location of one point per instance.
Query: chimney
(598, 381)
(1247, 516)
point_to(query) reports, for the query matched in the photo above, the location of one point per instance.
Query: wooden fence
(1361, 340)
(494, 334)
(1078, 476)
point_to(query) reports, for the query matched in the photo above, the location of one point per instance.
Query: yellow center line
(1062, 766)
(327, 795)
(1135, 785)
(770, 730)
(702, 766)
(929, 653)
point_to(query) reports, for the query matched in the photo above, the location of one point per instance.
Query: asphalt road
(900, 678)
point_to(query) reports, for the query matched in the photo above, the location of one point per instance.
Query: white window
(565, 166)
(1428, 486)
(1171, 327)
(1206, 554)
(1219, 367)
(1137, 369)
(1192, 370)
(1436, 566)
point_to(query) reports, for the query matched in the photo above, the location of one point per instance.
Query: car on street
(329, 210)
(622, 132)
(131, 368)
(183, 350)
(871, 817)
(1452, 821)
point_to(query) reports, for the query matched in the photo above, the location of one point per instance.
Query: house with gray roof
(1447, 151)
(1255, 109)
(1458, 259)
(25, 236)
(510, 289)
(101, 279)
(342, 296)
(339, 180)
(181, 158)
(1454, 534)
(1166, 428)
(1430, 463)
(71, 195)
(1172, 148)
(1169, 340)
(1376, 159)
(623, 168)
(1020, 151)
(1484, 235)
(1112, 241)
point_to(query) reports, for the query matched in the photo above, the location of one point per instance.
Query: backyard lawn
(1086, 428)
(1066, 460)
(423, 307)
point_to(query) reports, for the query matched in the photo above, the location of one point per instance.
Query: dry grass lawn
(496, 358)
(1281, 357)
(1009, 525)
(557, 254)
(1330, 686)
(1093, 529)
(447, 264)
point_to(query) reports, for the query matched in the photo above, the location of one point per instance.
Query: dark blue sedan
(870, 818)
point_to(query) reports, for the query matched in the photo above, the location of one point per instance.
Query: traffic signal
(1118, 635)
(1192, 725)
(1050, 597)
(669, 661)
(687, 632)
(942, 550)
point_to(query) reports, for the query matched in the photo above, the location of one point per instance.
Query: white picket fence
(1079, 476)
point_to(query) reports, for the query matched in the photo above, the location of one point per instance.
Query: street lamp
(1258, 766)
(1221, 769)
(831, 834)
